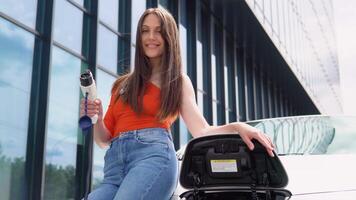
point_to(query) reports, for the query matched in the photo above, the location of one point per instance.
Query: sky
(345, 27)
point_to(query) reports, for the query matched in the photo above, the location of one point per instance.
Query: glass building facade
(303, 32)
(247, 60)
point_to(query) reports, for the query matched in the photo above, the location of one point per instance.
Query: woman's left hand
(248, 133)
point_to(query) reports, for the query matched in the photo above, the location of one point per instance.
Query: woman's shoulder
(186, 79)
(187, 84)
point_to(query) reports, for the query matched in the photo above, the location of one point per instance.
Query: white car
(316, 160)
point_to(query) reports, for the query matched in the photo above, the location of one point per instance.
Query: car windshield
(311, 134)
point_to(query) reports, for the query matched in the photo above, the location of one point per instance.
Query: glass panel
(107, 49)
(164, 4)
(123, 62)
(200, 95)
(22, 10)
(213, 88)
(218, 37)
(259, 3)
(287, 29)
(184, 135)
(16, 54)
(68, 24)
(199, 62)
(183, 34)
(236, 78)
(183, 46)
(62, 126)
(138, 7)
(230, 97)
(226, 91)
(282, 25)
(104, 84)
(108, 12)
(275, 22)
(267, 10)
(80, 2)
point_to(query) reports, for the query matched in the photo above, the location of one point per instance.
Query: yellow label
(223, 165)
(223, 161)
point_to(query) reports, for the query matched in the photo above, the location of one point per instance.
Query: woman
(141, 162)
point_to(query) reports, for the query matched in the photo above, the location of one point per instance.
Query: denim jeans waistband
(138, 131)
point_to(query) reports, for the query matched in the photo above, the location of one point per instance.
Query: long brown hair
(130, 87)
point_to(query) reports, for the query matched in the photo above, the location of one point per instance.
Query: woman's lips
(152, 45)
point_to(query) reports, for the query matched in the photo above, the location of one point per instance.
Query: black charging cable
(86, 126)
(90, 151)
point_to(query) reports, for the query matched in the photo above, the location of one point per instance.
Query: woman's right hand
(93, 108)
(101, 134)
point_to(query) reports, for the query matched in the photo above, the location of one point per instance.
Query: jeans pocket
(110, 152)
(152, 138)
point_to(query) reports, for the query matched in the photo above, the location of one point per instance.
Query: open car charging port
(228, 161)
(221, 167)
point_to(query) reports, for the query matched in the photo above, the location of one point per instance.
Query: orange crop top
(121, 118)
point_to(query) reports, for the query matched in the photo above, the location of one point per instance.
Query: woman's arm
(101, 133)
(198, 126)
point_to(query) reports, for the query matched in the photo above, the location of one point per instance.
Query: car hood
(312, 177)
(320, 174)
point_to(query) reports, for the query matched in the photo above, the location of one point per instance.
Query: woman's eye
(144, 31)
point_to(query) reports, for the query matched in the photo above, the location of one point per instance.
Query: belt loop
(135, 134)
(170, 136)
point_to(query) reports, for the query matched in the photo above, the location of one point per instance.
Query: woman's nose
(151, 35)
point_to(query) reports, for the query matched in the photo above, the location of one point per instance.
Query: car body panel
(313, 174)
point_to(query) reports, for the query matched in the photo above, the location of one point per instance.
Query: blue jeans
(139, 165)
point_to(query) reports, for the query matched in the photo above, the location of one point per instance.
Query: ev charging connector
(88, 88)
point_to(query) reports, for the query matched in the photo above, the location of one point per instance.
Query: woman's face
(152, 40)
